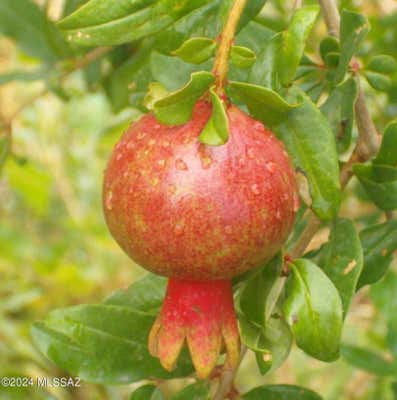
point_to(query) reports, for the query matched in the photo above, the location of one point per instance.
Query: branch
(221, 63)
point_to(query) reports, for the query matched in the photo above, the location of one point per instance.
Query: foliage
(83, 70)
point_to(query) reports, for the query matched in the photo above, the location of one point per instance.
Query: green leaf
(368, 361)
(342, 259)
(353, 29)
(177, 107)
(99, 22)
(263, 103)
(379, 242)
(293, 42)
(313, 309)
(25, 76)
(382, 64)
(310, 141)
(394, 389)
(196, 50)
(242, 57)
(277, 339)
(129, 81)
(339, 110)
(383, 295)
(25, 22)
(378, 81)
(256, 290)
(380, 183)
(391, 338)
(387, 153)
(4, 148)
(280, 392)
(216, 130)
(101, 343)
(196, 391)
(147, 392)
(264, 71)
(328, 45)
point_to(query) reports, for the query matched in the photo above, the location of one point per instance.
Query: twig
(227, 378)
(331, 16)
(221, 63)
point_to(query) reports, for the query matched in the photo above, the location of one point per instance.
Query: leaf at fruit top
(368, 361)
(156, 91)
(329, 45)
(378, 81)
(380, 183)
(101, 343)
(280, 392)
(196, 50)
(379, 242)
(195, 391)
(313, 309)
(293, 42)
(387, 153)
(353, 29)
(311, 143)
(242, 57)
(382, 64)
(216, 130)
(339, 110)
(100, 22)
(177, 107)
(264, 71)
(341, 258)
(256, 289)
(147, 392)
(263, 103)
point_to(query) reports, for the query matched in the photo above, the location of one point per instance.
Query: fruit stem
(226, 41)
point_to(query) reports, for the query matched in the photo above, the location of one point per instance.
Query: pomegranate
(199, 215)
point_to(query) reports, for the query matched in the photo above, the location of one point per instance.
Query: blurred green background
(55, 249)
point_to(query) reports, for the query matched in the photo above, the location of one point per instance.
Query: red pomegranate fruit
(199, 215)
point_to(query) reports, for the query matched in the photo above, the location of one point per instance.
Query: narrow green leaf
(4, 148)
(379, 242)
(25, 22)
(264, 71)
(368, 361)
(280, 392)
(313, 309)
(242, 57)
(380, 183)
(216, 130)
(263, 103)
(382, 64)
(196, 50)
(293, 42)
(109, 23)
(256, 290)
(147, 392)
(177, 107)
(342, 259)
(353, 29)
(328, 45)
(101, 343)
(387, 154)
(196, 391)
(26, 76)
(339, 110)
(391, 338)
(394, 389)
(378, 81)
(311, 143)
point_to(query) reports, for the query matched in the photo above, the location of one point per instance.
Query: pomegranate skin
(186, 210)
